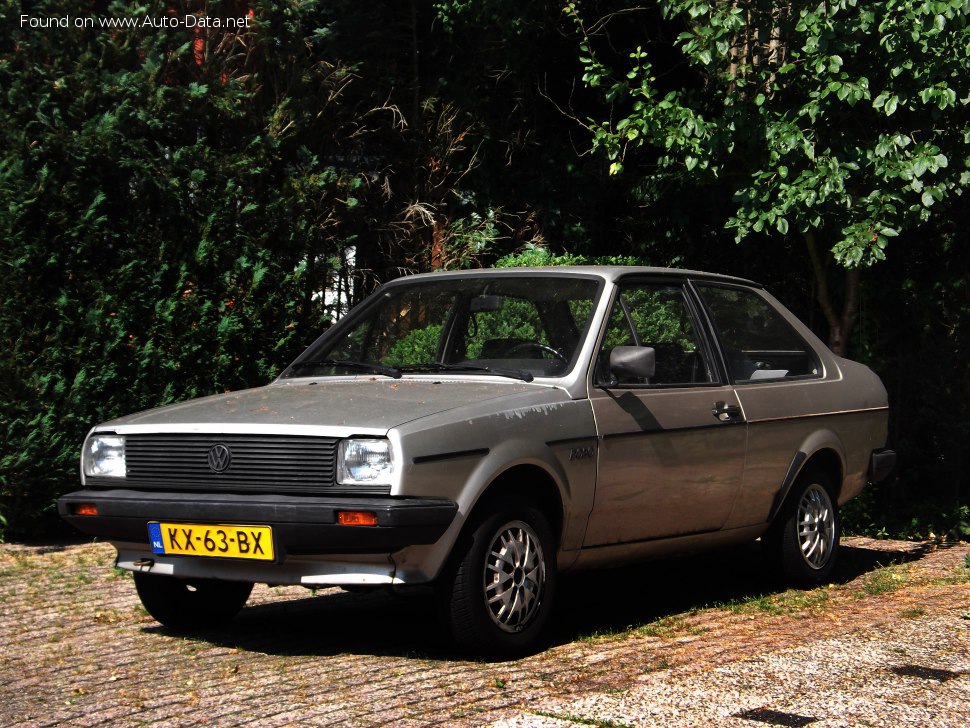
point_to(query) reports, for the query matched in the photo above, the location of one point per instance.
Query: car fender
(815, 442)
(573, 480)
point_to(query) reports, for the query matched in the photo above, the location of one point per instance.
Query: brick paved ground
(685, 642)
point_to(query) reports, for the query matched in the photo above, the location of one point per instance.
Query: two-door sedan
(484, 431)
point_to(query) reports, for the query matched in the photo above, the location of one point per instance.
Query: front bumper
(301, 524)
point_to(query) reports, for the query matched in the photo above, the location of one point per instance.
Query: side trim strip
(659, 430)
(670, 537)
(481, 452)
(570, 440)
(819, 414)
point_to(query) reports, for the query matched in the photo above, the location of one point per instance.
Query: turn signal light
(356, 518)
(85, 509)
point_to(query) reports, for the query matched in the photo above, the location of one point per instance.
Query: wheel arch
(802, 539)
(829, 461)
(824, 454)
(523, 491)
(528, 481)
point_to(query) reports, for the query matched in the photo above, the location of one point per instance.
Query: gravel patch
(887, 644)
(848, 680)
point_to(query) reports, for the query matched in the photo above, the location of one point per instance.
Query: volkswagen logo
(219, 457)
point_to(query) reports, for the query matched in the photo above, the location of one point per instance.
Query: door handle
(726, 412)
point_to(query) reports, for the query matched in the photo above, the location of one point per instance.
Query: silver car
(484, 431)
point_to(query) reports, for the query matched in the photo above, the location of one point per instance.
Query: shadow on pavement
(637, 595)
(405, 623)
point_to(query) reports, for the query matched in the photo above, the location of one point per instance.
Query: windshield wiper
(436, 366)
(363, 366)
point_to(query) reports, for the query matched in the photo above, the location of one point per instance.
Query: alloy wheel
(816, 526)
(515, 576)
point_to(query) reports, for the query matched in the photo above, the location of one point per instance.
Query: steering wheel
(535, 345)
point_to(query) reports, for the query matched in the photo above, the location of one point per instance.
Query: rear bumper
(301, 524)
(881, 464)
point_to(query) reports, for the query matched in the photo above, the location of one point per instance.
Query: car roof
(612, 273)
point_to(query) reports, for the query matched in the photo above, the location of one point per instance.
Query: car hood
(368, 405)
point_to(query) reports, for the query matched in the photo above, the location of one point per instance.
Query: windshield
(521, 326)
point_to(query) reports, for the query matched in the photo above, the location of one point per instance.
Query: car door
(672, 447)
(780, 382)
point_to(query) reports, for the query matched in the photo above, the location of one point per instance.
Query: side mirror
(638, 362)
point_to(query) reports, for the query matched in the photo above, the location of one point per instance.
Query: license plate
(204, 539)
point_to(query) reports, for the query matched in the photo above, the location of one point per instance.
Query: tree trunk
(415, 68)
(841, 322)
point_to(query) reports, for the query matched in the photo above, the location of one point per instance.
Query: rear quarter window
(759, 344)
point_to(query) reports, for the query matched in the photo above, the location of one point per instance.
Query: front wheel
(499, 589)
(803, 542)
(191, 603)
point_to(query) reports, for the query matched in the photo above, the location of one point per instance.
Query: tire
(500, 586)
(803, 542)
(191, 603)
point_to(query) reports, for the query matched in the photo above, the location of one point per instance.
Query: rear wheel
(499, 589)
(191, 603)
(803, 542)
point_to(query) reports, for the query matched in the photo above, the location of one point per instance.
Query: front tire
(803, 541)
(499, 589)
(191, 603)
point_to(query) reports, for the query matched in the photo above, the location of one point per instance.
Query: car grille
(260, 464)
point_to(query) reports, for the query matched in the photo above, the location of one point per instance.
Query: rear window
(758, 343)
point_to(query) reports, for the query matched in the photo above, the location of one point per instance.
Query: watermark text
(134, 22)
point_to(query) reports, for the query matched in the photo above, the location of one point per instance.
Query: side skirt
(628, 553)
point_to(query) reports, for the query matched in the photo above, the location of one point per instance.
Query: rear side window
(759, 344)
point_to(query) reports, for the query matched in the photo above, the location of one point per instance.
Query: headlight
(104, 456)
(365, 462)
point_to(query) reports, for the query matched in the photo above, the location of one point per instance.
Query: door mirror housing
(638, 362)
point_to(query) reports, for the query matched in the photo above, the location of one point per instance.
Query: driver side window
(655, 316)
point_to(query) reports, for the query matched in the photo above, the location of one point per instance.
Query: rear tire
(499, 588)
(191, 603)
(803, 541)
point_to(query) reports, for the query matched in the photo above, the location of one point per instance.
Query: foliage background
(173, 203)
